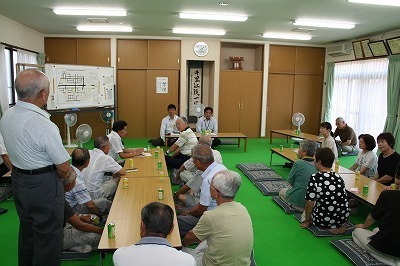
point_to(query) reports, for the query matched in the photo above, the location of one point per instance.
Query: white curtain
(26, 57)
(3, 81)
(360, 95)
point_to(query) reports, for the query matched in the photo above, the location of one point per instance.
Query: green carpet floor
(278, 239)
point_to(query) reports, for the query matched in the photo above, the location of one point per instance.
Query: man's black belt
(43, 170)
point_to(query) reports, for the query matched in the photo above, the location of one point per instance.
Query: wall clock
(200, 49)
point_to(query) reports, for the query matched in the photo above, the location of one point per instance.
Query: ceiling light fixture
(323, 24)
(198, 31)
(213, 16)
(287, 36)
(377, 2)
(90, 12)
(106, 28)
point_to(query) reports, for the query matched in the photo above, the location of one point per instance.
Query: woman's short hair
(325, 156)
(368, 140)
(308, 146)
(388, 137)
(327, 126)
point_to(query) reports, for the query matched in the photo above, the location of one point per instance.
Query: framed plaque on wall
(394, 45)
(378, 48)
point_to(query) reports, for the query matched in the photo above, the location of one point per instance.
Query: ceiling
(158, 17)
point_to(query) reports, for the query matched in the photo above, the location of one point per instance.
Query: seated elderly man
(79, 232)
(300, 175)
(119, 131)
(168, 126)
(207, 123)
(182, 148)
(189, 194)
(204, 161)
(226, 231)
(382, 243)
(153, 248)
(99, 185)
(78, 197)
(346, 134)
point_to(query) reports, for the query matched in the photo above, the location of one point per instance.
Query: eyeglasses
(210, 182)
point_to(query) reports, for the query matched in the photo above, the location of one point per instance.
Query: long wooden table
(126, 208)
(291, 155)
(128, 203)
(147, 166)
(348, 176)
(374, 190)
(238, 136)
(292, 133)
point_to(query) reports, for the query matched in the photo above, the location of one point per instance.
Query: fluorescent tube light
(323, 24)
(213, 16)
(107, 28)
(287, 36)
(90, 12)
(198, 31)
(377, 2)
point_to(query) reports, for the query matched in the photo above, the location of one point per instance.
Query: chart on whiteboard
(77, 86)
(80, 86)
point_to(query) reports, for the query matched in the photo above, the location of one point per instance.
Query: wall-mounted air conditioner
(338, 49)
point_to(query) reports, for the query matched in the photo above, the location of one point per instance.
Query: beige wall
(211, 74)
(19, 35)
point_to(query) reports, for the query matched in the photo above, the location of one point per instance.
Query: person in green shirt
(299, 175)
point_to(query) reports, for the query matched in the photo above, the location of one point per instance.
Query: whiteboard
(73, 86)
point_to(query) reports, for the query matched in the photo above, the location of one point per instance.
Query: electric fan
(198, 109)
(107, 116)
(70, 120)
(83, 134)
(297, 120)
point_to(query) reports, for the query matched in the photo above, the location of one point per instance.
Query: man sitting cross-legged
(78, 197)
(204, 161)
(189, 194)
(153, 248)
(79, 232)
(226, 231)
(98, 184)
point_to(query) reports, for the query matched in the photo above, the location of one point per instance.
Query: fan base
(71, 145)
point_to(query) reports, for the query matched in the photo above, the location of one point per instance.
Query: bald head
(29, 83)
(203, 153)
(205, 139)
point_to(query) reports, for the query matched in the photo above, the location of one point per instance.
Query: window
(12, 57)
(11, 60)
(360, 94)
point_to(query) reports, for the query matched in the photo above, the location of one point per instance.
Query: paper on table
(132, 170)
(144, 154)
(296, 150)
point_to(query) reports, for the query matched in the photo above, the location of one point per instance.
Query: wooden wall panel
(229, 101)
(131, 86)
(279, 101)
(132, 53)
(60, 50)
(282, 58)
(94, 52)
(251, 92)
(307, 100)
(164, 54)
(310, 60)
(157, 102)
